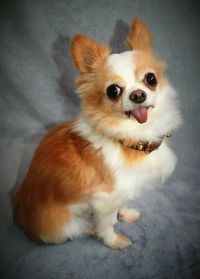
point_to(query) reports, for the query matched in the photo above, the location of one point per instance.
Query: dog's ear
(87, 54)
(139, 37)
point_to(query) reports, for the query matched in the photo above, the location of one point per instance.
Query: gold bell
(140, 146)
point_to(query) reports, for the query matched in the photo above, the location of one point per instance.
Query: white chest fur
(131, 180)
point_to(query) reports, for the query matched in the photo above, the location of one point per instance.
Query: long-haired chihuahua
(84, 171)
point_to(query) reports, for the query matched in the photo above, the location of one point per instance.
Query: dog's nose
(138, 96)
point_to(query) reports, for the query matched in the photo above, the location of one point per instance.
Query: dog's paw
(121, 242)
(128, 215)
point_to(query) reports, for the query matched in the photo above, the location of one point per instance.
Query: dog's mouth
(140, 114)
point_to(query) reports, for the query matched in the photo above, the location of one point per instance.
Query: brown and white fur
(81, 175)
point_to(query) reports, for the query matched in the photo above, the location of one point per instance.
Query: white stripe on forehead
(123, 65)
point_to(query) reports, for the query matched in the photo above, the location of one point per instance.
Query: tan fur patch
(139, 37)
(87, 54)
(65, 169)
(132, 157)
(146, 62)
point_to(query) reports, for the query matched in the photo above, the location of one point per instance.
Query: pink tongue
(140, 114)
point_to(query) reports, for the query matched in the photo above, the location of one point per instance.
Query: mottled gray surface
(37, 91)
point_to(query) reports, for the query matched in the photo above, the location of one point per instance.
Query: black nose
(138, 96)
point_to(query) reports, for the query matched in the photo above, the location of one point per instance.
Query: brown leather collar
(146, 146)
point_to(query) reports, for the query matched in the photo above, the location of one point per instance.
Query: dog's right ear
(87, 54)
(139, 37)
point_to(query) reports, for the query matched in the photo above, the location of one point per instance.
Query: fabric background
(37, 91)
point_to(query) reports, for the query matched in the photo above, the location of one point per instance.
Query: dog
(85, 171)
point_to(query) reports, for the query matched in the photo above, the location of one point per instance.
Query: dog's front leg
(105, 219)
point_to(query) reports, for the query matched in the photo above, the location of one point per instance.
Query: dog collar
(146, 146)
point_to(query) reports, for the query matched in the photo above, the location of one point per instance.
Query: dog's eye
(150, 80)
(114, 91)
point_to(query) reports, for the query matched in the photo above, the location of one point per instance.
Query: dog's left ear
(139, 37)
(87, 54)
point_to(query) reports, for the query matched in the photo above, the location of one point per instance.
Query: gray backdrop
(37, 92)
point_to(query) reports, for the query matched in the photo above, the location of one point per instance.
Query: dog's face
(124, 96)
(136, 80)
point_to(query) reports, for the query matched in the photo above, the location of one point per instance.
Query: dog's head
(125, 95)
